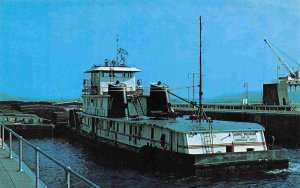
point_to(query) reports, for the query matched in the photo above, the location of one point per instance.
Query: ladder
(137, 105)
(207, 142)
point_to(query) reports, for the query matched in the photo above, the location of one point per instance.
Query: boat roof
(187, 126)
(114, 69)
(216, 126)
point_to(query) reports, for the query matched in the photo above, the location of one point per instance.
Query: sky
(45, 46)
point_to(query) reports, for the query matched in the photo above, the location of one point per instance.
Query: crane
(293, 75)
(294, 78)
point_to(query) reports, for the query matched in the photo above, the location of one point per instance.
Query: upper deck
(185, 125)
(102, 76)
(111, 72)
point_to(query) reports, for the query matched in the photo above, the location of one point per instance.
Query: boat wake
(293, 167)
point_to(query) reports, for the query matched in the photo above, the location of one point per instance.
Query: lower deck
(176, 136)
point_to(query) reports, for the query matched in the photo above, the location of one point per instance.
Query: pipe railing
(68, 170)
(238, 107)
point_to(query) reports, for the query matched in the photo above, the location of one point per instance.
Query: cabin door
(173, 143)
(93, 125)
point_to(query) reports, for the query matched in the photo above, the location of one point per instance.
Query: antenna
(200, 111)
(117, 39)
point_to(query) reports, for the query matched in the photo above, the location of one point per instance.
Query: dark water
(107, 174)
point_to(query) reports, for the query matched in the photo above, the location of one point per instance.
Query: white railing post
(10, 144)
(37, 177)
(2, 137)
(20, 154)
(68, 177)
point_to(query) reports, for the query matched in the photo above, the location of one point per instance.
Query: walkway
(10, 177)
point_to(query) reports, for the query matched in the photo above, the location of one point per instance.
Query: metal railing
(38, 151)
(88, 90)
(260, 107)
(250, 107)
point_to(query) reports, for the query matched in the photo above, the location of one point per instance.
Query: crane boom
(280, 59)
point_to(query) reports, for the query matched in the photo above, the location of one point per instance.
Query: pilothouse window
(119, 75)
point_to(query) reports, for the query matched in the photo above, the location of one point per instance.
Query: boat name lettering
(245, 137)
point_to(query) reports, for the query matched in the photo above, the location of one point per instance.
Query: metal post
(2, 137)
(188, 93)
(20, 154)
(117, 39)
(37, 179)
(200, 110)
(68, 177)
(193, 87)
(247, 91)
(10, 144)
(277, 73)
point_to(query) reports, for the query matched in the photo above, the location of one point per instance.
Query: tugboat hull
(217, 163)
(242, 161)
(154, 159)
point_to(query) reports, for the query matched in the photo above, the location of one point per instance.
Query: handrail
(259, 107)
(68, 169)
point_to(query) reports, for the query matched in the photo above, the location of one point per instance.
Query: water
(108, 174)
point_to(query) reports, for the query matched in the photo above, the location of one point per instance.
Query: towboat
(119, 113)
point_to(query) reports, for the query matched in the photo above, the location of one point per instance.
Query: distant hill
(79, 99)
(237, 97)
(6, 97)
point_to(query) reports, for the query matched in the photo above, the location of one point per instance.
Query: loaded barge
(28, 125)
(118, 115)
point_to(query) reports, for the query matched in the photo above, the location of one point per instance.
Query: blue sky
(45, 46)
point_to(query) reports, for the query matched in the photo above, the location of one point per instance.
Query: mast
(200, 111)
(117, 40)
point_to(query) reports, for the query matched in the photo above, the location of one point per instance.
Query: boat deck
(183, 124)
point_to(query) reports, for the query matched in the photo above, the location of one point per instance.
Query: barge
(28, 125)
